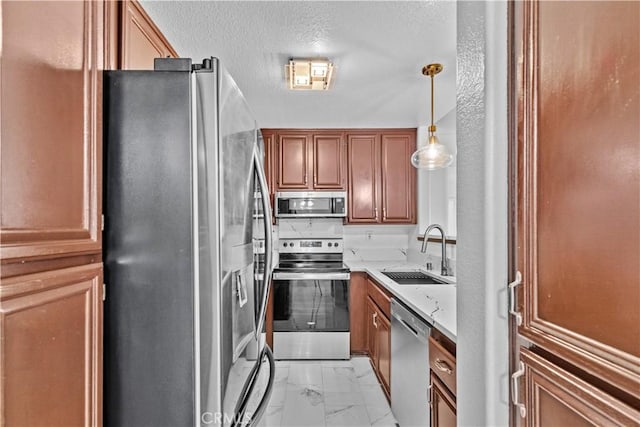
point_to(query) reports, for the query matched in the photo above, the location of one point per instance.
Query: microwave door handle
(268, 241)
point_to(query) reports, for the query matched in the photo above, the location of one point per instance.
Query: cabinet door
(358, 312)
(578, 201)
(372, 332)
(140, 40)
(52, 347)
(269, 138)
(443, 405)
(364, 178)
(50, 184)
(329, 161)
(294, 167)
(384, 350)
(398, 178)
(553, 396)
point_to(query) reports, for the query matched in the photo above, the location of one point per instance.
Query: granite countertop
(434, 303)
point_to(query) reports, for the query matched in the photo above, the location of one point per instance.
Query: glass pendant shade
(434, 155)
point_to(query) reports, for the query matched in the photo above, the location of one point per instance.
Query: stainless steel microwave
(311, 204)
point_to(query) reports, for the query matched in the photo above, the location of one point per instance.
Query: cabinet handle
(515, 397)
(384, 213)
(376, 212)
(512, 298)
(305, 180)
(443, 366)
(375, 315)
(429, 391)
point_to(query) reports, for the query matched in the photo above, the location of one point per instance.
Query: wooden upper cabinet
(382, 182)
(51, 327)
(140, 39)
(329, 161)
(578, 241)
(50, 186)
(269, 139)
(554, 397)
(364, 176)
(398, 178)
(310, 160)
(294, 151)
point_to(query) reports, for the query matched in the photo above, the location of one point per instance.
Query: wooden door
(384, 351)
(51, 349)
(358, 313)
(398, 178)
(443, 405)
(364, 178)
(294, 167)
(578, 236)
(51, 118)
(554, 397)
(329, 161)
(140, 40)
(372, 332)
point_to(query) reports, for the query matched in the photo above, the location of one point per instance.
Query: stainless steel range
(311, 300)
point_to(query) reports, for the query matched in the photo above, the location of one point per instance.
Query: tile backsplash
(301, 228)
(376, 242)
(367, 242)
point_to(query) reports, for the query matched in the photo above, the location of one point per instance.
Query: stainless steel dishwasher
(409, 367)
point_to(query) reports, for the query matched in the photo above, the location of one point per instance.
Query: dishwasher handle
(413, 325)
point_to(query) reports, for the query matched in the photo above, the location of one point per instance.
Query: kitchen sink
(412, 278)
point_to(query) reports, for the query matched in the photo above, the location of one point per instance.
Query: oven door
(311, 315)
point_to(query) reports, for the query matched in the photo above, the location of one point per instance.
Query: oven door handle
(310, 276)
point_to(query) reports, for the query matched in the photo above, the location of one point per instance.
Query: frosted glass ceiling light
(309, 74)
(434, 155)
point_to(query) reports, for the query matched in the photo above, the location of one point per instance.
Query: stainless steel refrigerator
(187, 245)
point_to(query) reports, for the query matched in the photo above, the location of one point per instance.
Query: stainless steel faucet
(446, 270)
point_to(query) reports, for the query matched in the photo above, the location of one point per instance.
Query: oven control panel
(310, 246)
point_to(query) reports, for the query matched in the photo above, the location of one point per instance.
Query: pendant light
(434, 155)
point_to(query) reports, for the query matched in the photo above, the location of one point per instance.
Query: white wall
(482, 342)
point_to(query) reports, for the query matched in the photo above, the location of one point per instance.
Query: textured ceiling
(378, 49)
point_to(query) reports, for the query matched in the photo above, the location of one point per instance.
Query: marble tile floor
(327, 394)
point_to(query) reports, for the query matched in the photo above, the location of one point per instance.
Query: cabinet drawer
(443, 364)
(380, 296)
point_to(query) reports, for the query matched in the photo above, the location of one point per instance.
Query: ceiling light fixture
(434, 155)
(309, 74)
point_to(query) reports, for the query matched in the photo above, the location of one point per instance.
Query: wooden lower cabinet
(443, 404)
(51, 324)
(443, 373)
(379, 336)
(384, 351)
(358, 313)
(554, 396)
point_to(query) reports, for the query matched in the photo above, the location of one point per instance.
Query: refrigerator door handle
(241, 418)
(268, 241)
